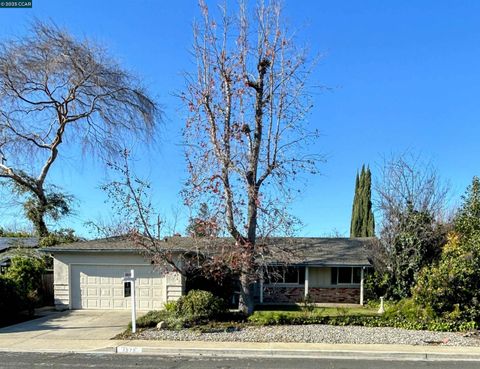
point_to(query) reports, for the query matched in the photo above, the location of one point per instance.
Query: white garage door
(101, 287)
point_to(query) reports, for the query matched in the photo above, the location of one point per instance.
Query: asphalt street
(51, 360)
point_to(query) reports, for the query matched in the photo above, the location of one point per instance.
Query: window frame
(352, 274)
(283, 272)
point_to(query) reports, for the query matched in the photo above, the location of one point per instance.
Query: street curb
(263, 353)
(136, 348)
(280, 353)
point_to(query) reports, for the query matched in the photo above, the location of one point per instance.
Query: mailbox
(127, 289)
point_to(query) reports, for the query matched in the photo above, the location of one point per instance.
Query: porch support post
(306, 281)
(261, 290)
(361, 285)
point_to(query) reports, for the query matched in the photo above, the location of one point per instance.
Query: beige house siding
(61, 290)
(319, 277)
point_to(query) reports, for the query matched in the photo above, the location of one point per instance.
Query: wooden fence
(46, 288)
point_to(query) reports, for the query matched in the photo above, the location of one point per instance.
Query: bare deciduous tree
(58, 91)
(246, 134)
(407, 181)
(411, 199)
(129, 195)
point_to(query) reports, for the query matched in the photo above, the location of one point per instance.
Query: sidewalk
(243, 349)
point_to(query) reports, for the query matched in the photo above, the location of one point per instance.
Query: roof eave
(51, 250)
(326, 265)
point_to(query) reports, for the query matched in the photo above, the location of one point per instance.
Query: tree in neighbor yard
(204, 224)
(363, 222)
(57, 92)
(411, 201)
(451, 287)
(246, 135)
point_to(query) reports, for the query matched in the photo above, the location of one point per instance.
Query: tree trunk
(40, 225)
(245, 304)
(38, 217)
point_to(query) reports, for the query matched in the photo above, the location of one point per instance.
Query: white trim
(283, 285)
(361, 287)
(69, 284)
(103, 263)
(306, 281)
(261, 290)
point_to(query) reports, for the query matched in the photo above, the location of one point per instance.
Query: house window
(357, 275)
(286, 275)
(345, 275)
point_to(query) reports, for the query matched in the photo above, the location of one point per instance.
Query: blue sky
(401, 76)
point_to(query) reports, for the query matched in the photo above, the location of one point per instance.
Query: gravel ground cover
(317, 334)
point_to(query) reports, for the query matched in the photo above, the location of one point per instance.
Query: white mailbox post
(129, 290)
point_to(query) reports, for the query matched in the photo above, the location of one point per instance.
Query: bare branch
(57, 90)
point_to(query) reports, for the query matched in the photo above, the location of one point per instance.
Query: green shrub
(151, 319)
(376, 285)
(11, 302)
(451, 287)
(196, 307)
(170, 306)
(199, 305)
(404, 314)
(308, 303)
(26, 274)
(270, 318)
(408, 310)
(58, 237)
(16, 234)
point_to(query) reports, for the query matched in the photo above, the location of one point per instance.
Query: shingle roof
(7, 243)
(121, 243)
(307, 250)
(327, 251)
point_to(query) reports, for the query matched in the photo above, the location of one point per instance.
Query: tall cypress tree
(353, 222)
(363, 222)
(368, 221)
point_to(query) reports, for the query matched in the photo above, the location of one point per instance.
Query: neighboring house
(89, 274)
(10, 245)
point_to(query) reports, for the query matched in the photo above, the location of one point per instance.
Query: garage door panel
(106, 292)
(144, 292)
(91, 292)
(92, 280)
(101, 287)
(144, 305)
(91, 304)
(157, 293)
(106, 280)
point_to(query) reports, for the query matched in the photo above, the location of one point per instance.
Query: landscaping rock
(316, 333)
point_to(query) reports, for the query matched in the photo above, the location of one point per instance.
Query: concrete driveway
(71, 325)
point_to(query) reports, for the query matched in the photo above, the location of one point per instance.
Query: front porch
(318, 284)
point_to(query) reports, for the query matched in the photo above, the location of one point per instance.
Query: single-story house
(326, 270)
(10, 245)
(89, 274)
